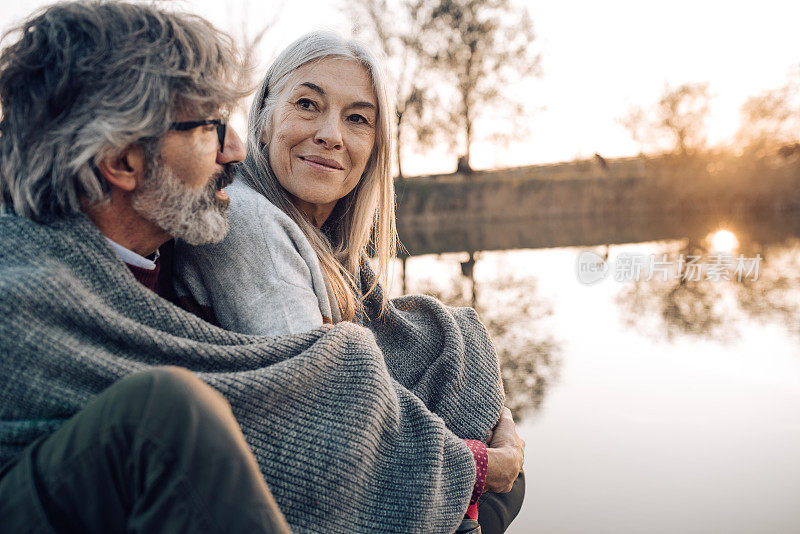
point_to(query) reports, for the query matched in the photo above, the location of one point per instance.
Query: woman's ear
(123, 170)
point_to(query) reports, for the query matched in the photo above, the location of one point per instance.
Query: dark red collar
(148, 278)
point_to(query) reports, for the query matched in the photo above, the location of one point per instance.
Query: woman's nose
(329, 133)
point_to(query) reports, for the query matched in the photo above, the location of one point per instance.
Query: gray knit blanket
(345, 437)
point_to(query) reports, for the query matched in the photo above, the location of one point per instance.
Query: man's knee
(189, 420)
(166, 387)
(165, 403)
(175, 386)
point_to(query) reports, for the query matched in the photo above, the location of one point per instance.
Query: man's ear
(124, 170)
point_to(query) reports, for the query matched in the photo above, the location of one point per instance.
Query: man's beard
(195, 215)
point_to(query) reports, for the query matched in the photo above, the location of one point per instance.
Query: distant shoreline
(624, 187)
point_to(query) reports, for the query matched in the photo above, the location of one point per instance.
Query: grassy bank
(626, 187)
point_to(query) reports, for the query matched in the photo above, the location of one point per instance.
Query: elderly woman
(313, 196)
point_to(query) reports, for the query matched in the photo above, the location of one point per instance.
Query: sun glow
(723, 241)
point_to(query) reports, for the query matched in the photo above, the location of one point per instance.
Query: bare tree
(636, 122)
(248, 32)
(771, 119)
(678, 118)
(398, 29)
(682, 112)
(482, 46)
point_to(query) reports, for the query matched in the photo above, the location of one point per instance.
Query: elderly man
(113, 140)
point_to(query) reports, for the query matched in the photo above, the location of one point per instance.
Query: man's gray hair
(85, 80)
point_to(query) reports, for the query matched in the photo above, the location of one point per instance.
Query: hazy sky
(599, 58)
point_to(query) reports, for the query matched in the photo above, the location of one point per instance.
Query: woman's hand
(506, 453)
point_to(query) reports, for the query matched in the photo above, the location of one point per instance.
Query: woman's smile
(321, 163)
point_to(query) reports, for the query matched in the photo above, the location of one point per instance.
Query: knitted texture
(340, 442)
(263, 278)
(444, 355)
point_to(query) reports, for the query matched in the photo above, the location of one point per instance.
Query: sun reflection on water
(723, 241)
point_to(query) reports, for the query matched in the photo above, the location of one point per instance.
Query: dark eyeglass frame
(221, 124)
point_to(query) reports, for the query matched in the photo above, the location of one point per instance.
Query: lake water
(670, 403)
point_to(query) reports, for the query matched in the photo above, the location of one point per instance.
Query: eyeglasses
(221, 125)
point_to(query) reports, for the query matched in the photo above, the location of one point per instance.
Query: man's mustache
(224, 178)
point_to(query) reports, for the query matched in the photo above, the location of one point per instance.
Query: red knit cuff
(481, 462)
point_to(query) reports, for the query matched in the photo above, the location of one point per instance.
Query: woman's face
(323, 132)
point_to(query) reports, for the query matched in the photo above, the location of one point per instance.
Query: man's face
(183, 191)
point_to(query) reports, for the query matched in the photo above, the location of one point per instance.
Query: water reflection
(552, 232)
(519, 318)
(684, 304)
(714, 307)
(656, 414)
(775, 296)
(514, 314)
(723, 240)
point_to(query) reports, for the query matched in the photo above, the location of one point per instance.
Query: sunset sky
(598, 59)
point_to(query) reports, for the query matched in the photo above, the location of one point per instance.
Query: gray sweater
(263, 278)
(340, 441)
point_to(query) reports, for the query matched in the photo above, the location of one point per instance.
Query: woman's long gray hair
(366, 216)
(88, 79)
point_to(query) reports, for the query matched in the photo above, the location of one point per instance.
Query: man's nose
(233, 151)
(329, 133)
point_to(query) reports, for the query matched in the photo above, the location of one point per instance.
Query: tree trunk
(467, 129)
(469, 142)
(397, 144)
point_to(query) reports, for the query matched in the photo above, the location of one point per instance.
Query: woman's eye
(358, 119)
(306, 104)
